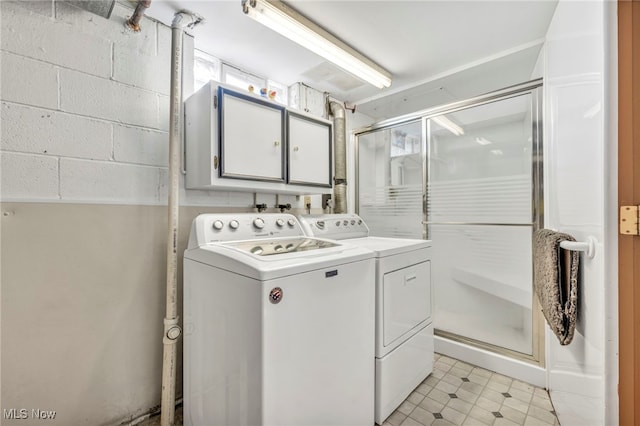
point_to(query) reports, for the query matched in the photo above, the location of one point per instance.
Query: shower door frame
(534, 88)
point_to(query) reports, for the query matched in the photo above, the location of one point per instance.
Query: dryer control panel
(334, 226)
(208, 228)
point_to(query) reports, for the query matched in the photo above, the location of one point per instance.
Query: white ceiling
(436, 51)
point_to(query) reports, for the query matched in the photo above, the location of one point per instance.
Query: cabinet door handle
(276, 143)
(408, 278)
(296, 148)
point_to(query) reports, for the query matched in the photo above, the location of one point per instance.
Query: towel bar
(589, 247)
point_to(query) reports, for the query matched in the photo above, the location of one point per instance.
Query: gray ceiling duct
(99, 7)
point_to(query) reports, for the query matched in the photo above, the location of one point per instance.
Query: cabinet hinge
(629, 220)
(215, 101)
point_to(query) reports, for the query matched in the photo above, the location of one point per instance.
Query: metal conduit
(340, 159)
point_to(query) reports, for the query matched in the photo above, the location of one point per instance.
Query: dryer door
(407, 300)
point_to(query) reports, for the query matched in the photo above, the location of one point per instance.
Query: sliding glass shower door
(468, 177)
(480, 216)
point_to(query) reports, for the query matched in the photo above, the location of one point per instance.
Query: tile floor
(457, 393)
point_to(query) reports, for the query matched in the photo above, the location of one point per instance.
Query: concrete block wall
(84, 105)
(85, 109)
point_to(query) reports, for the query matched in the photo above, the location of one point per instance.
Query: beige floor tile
(431, 405)
(460, 405)
(406, 407)
(488, 404)
(446, 387)
(477, 378)
(441, 365)
(467, 396)
(439, 396)
(464, 366)
(482, 372)
(437, 373)
(470, 421)
(542, 393)
(422, 416)
(415, 398)
(483, 415)
(498, 386)
(396, 418)
(453, 416)
(505, 422)
(501, 379)
(512, 414)
(526, 387)
(542, 414)
(442, 422)
(516, 404)
(448, 360)
(410, 422)
(424, 389)
(522, 396)
(532, 421)
(472, 387)
(543, 403)
(493, 395)
(452, 379)
(459, 372)
(431, 380)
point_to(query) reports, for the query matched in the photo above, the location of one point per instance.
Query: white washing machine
(404, 329)
(279, 328)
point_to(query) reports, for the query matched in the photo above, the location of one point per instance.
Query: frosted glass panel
(483, 287)
(390, 180)
(480, 164)
(479, 210)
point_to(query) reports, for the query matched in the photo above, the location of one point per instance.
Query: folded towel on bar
(556, 282)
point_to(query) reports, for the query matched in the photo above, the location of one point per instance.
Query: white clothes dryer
(279, 327)
(404, 329)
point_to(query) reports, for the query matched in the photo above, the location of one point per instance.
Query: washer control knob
(345, 222)
(280, 223)
(258, 223)
(234, 224)
(360, 222)
(291, 222)
(218, 225)
(320, 224)
(353, 222)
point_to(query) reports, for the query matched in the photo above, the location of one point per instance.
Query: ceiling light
(449, 125)
(497, 152)
(289, 23)
(483, 141)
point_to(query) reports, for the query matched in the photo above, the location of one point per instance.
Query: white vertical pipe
(171, 329)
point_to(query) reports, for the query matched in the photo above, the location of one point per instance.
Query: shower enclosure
(468, 177)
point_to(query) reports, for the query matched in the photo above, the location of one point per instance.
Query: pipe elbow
(337, 110)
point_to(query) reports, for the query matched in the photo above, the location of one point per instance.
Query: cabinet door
(309, 144)
(251, 137)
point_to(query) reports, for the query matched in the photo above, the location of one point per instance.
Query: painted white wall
(578, 196)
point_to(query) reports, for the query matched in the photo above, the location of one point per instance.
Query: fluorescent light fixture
(483, 141)
(449, 125)
(497, 152)
(289, 23)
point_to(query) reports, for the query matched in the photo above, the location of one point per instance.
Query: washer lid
(309, 254)
(281, 246)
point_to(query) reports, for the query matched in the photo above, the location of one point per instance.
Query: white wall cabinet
(238, 141)
(251, 138)
(309, 149)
